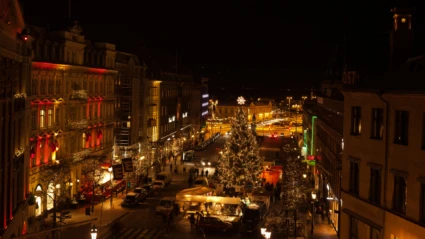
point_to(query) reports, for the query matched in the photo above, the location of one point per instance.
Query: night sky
(262, 43)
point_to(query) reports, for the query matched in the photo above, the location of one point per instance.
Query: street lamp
(304, 175)
(289, 104)
(93, 232)
(263, 231)
(267, 235)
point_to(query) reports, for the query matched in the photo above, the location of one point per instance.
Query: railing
(79, 95)
(78, 124)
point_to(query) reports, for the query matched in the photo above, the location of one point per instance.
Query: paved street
(140, 223)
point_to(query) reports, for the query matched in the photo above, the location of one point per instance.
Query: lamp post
(289, 105)
(93, 232)
(110, 176)
(313, 197)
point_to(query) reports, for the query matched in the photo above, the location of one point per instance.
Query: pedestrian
(192, 222)
(171, 167)
(206, 173)
(202, 173)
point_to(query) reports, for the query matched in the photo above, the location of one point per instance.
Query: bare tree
(93, 173)
(57, 174)
(177, 149)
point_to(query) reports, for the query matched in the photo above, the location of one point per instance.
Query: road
(141, 224)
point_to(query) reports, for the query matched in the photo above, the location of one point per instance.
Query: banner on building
(118, 172)
(128, 164)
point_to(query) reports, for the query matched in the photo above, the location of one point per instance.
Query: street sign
(118, 172)
(128, 164)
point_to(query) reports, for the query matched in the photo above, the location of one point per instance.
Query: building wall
(390, 159)
(131, 100)
(72, 109)
(14, 112)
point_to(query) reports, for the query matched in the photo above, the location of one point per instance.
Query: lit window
(42, 119)
(403, 20)
(49, 117)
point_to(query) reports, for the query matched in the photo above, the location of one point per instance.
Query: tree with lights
(240, 163)
(58, 175)
(294, 197)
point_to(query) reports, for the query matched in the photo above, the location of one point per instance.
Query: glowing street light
(93, 232)
(304, 175)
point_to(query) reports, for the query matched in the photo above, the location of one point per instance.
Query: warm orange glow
(97, 70)
(51, 66)
(98, 108)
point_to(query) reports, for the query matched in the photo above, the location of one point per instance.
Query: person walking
(202, 173)
(192, 222)
(206, 173)
(171, 167)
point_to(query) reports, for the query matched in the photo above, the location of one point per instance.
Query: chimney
(401, 37)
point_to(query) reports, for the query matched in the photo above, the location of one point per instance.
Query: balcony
(79, 95)
(78, 124)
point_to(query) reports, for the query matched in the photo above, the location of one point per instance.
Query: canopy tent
(203, 195)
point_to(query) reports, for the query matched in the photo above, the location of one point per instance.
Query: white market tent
(202, 195)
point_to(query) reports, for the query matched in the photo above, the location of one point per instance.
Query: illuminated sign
(205, 96)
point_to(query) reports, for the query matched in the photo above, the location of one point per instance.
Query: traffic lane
(211, 151)
(145, 216)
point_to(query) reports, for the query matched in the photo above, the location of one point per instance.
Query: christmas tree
(240, 163)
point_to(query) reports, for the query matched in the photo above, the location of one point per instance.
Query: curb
(106, 226)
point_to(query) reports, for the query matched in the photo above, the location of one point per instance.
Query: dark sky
(249, 42)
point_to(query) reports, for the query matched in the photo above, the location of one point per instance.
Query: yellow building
(383, 174)
(260, 108)
(72, 108)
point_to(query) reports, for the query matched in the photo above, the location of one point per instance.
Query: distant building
(261, 109)
(131, 106)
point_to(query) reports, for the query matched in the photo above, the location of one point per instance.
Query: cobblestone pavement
(324, 231)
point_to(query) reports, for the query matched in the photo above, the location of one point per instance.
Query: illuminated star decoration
(240, 100)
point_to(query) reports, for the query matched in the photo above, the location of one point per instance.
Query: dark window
(374, 233)
(377, 123)
(34, 120)
(401, 132)
(375, 186)
(399, 194)
(356, 125)
(422, 204)
(353, 228)
(354, 178)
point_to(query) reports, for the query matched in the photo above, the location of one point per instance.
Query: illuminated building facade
(262, 109)
(72, 109)
(15, 68)
(329, 147)
(174, 108)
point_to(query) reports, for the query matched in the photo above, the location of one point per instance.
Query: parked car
(213, 224)
(166, 204)
(167, 177)
(142, 192)
(201, 182)
(131, 200)
(148, 188)
(158, 185)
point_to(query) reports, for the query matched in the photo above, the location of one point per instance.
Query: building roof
(405, 79)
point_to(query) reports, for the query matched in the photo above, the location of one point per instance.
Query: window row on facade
(47, 116)
(51, 84)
